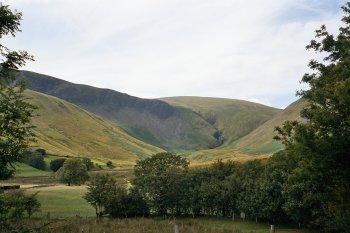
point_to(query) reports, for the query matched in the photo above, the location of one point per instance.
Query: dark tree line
(308, 183)
(257, 189)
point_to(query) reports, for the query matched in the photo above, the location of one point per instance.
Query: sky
(252, 50)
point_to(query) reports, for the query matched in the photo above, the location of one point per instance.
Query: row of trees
(168, 187)
(307, 183)
(270, 190)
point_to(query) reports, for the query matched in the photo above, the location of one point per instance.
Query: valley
(123, 128)
(165, 117)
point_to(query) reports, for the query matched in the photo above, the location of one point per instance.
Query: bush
(110, 164)
(56, 164)
(88, 164)
(15, 204)
(35, 160)
(41, 151)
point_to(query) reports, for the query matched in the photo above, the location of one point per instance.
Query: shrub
(35, 160)
(41, 151)
(88, 164)
(110, 164)
(56, 164)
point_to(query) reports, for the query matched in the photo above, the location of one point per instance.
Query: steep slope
(65, 129)
(232, 118)
(260, 140)
(152, 121)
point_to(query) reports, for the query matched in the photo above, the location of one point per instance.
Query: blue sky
(252, 50)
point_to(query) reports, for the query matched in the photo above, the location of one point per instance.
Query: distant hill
(65, 129)
(178, 124)
(233, 118)
(260, 140)
(152, 121)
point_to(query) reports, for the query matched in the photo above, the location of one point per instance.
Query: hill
(260, 140)
(231, 118)
(152, 121)
(65, 129)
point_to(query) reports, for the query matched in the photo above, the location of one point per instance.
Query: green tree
(15, 112)
(41, 151)
(35, 160)
(134, 204)
(100, 189)
(250, 199)
(88, 164)
(56, 164)
(17, 203)
(159, 180)
(73, 171)
(109, 197)
(323, 141)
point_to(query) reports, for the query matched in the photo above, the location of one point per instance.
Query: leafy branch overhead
(15, 113)
(322, 142)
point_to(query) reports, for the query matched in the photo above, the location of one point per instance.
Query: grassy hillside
(152, 121)
(65, 129)
(205, 157)
(233, 118)
(260, 140)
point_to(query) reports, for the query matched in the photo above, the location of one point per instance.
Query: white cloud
(154, 48)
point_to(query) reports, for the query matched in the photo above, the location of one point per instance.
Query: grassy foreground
(62, 201)
(141, 225)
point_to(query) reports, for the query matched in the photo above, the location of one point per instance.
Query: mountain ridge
(154, 121)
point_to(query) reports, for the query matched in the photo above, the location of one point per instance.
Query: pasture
(142, 225)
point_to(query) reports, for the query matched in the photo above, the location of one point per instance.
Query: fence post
(176, 228)
(272, 229)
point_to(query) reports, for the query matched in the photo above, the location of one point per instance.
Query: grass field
(24, 170)
(205, 157)
(142, 225)
(62, 201)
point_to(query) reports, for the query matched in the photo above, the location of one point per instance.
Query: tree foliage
(322, 143)
(16, 204)
(88, 164)
(159, 180)
(109, 197)
(100, 189)
(35, 160)
(15, 112)
(73, 171)
(56, 164)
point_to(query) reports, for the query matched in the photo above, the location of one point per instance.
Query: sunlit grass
(24, 170)
(62, 201)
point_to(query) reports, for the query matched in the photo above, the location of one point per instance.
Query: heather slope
(65, 129)
(152, 121)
